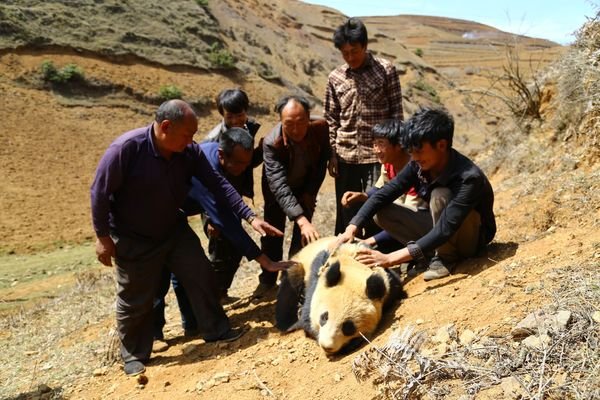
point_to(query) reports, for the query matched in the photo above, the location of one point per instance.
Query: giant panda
(334, 297)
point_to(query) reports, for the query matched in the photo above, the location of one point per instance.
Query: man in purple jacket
(140, 185)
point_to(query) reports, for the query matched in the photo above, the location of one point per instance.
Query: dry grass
(567, 368)
(35, 348)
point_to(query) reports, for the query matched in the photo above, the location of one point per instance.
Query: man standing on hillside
(229, 157)
(295, 163)
(461, 220)
(140, 186)
(361, 93)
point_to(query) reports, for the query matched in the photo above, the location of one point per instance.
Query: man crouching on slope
(460, 220)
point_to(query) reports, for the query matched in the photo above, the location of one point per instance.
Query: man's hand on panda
(273, 266)
(373, 258)
(346, 237)
(307, 230)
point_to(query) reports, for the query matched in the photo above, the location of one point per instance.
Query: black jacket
(470, 188)
(278, 160)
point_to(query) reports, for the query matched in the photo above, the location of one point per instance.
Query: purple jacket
(138, 193)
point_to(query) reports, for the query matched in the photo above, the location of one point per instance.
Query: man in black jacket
(295, 162)
(460, 221)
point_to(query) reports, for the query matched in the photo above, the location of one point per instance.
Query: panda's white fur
(333, 297)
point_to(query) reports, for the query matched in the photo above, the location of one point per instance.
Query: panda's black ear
(333, 274)
(375, 287)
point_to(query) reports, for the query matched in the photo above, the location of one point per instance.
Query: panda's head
(346, 303)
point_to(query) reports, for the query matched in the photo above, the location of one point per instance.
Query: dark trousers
(355, 178)
(225, 258)
(188, 320)
(139, 268)
(272, 246)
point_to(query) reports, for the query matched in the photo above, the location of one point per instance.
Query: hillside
(56, 312)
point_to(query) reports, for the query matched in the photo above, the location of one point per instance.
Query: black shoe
(412, 270)
(191, 332)
(264, 290)
(133, 368)
(227, 299)
(229, 336)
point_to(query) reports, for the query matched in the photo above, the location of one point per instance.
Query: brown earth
(547, 206)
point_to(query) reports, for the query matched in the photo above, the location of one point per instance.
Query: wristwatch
(250, 219)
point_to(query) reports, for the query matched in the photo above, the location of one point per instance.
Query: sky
(555, 20)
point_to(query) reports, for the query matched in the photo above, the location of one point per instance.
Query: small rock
(467, 337)
(338, 377)
(419, 321)
(189, 349)
(100, 371)
(560, 320)
(221, 377)
(275, 362)
(43, 388)
(512, 388)
(537, 342)
(142, 379)
(158, 346)
(528, 325)
(445, 334)
(596, 316)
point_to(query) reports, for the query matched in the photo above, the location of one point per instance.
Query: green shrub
(68, 73)
(427, 88)
(220, 57)
(169, 92)
(419, 52)
(202, 3)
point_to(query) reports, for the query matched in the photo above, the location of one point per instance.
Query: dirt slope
(546, 204)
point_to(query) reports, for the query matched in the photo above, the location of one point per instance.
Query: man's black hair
(390, 129)
(235, 137)
(282, 102)
(172, 110)
(233, 100)
(428, 125)
(351, 32)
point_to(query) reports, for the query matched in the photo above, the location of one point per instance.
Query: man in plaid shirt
(360, 93)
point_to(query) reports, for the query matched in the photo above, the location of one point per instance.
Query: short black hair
(390, 129)
(352, 31)
(282, 102)
(428, 125)
(172, 110)
(235, 137)
(233, 100)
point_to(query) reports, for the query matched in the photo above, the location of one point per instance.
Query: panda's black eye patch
(348, 328)
(323, 319)
(333, 274)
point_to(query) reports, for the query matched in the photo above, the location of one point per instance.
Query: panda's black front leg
(289, 299)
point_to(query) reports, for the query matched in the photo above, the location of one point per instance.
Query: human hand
(372, 258)
(332, 166)
(307, 230)
(212, 231)
(274, 266)
(345, 237)
(105, 250)
(264, 228)
(349, 198)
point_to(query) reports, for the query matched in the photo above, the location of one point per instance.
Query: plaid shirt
(356, 100)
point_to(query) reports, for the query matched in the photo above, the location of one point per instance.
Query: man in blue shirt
(139, 188)
(229, 157)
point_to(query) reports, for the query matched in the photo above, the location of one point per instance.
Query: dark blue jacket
(200, 199)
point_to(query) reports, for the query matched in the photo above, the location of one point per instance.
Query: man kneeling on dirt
(460, 221)
(140, 185)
